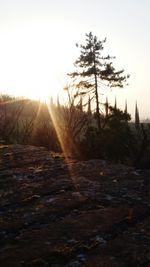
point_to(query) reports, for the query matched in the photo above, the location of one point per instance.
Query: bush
(113, 142)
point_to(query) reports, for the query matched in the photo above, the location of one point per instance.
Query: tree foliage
(114, 141)
(94, 70)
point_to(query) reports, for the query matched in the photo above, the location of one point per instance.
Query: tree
(137, 117)
(117, 136)
(70, 122)
(94, 70)
(114, 142)
(10, 114)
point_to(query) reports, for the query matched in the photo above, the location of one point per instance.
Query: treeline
(72, 130)
(84, 128)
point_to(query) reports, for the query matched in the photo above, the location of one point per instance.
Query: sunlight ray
(37, 116)
(62, 144)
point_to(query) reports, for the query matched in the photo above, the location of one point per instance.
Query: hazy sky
(37, 44)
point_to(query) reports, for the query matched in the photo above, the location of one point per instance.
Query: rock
(74, 214)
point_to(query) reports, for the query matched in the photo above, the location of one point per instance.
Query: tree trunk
(97, 104)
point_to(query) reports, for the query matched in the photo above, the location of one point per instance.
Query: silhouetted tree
(70, 123)
(142, 145)
(92, 69)
(126, 107)
(115, 105)
(10, 114)
(113, 142)
(80, 106)
(117, 136)
(137, 117)
(6, 98)
(106, 108)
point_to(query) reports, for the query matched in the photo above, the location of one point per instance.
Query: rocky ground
(57, 213)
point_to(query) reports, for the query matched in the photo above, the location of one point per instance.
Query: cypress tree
(106, 107)
(126, 107)
(80, 104)
(89, 106)
(115, 105)
(137, 117)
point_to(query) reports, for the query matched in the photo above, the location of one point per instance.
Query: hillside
(57, 212)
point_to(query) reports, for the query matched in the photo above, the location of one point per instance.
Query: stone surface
(56, 212)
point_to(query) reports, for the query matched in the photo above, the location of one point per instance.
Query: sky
(38, 37)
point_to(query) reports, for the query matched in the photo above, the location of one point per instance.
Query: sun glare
(43, 97)
(36, 62)
(45, 92)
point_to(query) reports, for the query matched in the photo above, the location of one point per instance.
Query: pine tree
(137, 117)
(94, 70)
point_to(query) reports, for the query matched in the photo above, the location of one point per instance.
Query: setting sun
(35, 64)
(37, 46)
